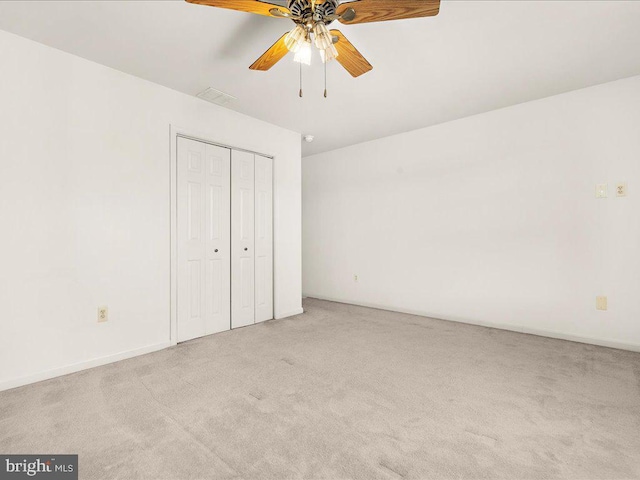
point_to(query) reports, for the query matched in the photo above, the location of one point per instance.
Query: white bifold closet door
(264, 238)
(204, 239)
(251, 239)
(242, 239)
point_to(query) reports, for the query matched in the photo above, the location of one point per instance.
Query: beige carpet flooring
(343, 392)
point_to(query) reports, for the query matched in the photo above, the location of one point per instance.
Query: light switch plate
(621, 189)
(103, 314)
(601, 303)
(601, 190)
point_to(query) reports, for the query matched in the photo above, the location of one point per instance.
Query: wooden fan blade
(272, 56)
(349, 56)
(383, 10)
(251, 6)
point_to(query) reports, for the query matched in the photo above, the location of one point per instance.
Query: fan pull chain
(300, 79)
(325, 79)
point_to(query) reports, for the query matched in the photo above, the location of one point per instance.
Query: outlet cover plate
(601, 303)
(103, 314)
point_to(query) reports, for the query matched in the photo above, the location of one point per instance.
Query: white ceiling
(473, 57)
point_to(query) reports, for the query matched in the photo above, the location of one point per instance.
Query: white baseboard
(76, 367)
(500, 326)
(297, 311)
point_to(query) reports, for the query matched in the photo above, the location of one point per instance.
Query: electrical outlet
(103, 314)
(601, 190)
(621, 190)
(355, 278)
(601, 303)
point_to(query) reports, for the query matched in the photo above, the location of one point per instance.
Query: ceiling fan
(311, 17)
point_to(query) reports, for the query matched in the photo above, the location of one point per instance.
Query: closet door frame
(175, 133)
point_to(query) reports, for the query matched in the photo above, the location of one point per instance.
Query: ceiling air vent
(216, 96)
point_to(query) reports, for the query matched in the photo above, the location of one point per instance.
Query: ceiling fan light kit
(303, 53)
(295, 38)
(312, 17)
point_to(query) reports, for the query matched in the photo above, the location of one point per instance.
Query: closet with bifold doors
(224, 238)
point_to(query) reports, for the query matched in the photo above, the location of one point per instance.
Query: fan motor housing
(302, 8)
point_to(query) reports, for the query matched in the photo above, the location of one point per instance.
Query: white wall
(85, 208)
(490, 219)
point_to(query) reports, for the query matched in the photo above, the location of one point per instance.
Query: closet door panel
(218, 248)
(204, 245)
(242, 239)
(263, 238)
(191, 239)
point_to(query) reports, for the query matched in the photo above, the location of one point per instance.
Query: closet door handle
(245, 249)
(216, 250)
